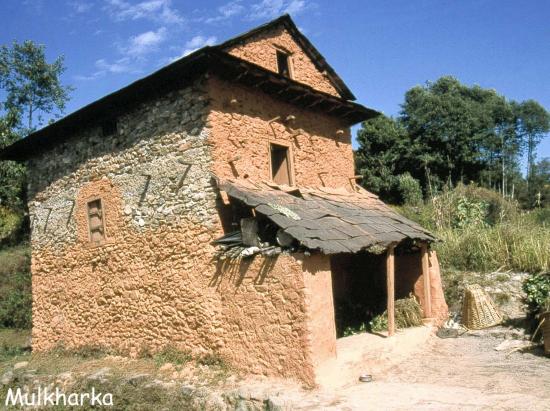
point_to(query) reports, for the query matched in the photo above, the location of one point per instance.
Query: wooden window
(283, 63)
(95, 221)
(281, 170)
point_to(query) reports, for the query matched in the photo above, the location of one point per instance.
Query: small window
(283, 63)
(95, 222)
(109, 127)
(280, 165)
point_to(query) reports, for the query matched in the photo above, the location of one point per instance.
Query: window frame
(278, 51)
(289, 157)
(102, 217)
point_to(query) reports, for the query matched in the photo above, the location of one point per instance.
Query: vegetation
(408, 313)
(15, 287)
(450, 133)
(481, 231)
(537, 289)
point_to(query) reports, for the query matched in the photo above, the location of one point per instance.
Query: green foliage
(31, 84)
(537, 289)
(449, 133)
(470, 213)
(172, 355)
(15, 288)
(410, 192)
(379, 323)
(517, 246)
(11, 223)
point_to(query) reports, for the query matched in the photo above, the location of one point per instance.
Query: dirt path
(449, 374)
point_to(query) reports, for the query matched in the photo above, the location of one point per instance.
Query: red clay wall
(320, 308)
(154, 281)
(243, 130)
(261, 50)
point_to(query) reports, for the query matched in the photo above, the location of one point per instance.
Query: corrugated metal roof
(330, 220)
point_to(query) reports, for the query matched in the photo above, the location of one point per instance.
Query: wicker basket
(546, 331)
(478, 309)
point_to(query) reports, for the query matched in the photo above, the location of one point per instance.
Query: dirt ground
(464, 373)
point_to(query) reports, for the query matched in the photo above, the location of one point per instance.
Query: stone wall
(143, 286)
(261, 49)
(244, 122)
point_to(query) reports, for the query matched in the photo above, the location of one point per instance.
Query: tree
(31, 84)
(381, 144)
(540, 184)
(534, 123)
(454, 130)
(31, 88)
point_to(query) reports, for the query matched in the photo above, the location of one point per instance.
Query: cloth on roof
(330, 220)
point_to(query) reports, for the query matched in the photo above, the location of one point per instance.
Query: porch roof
(329, 220)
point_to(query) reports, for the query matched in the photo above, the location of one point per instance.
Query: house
(212, 206)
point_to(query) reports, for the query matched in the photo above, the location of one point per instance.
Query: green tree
(454, 130)
(31, 89)
(32, 85)
(381, 145)
(534, 123)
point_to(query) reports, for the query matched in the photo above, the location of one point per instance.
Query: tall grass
(481, 231)
(518, 246)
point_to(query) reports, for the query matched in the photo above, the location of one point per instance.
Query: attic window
(283, 63)
(95, 222)
(109, 127)
(281, 170)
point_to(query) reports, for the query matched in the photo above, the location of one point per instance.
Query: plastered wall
(244, 122)
(261, 50)
(154, 280)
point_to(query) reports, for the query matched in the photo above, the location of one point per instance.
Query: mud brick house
(212, 206)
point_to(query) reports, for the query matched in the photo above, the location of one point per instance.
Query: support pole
(390, 280)
(426, 279)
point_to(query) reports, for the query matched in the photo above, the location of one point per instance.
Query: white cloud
(103, 67)
(79, 6)
(198, 42)
(226, 11)
(192, 45)
(156, 10)
(145, 42)
(122, 65)
(270, 9)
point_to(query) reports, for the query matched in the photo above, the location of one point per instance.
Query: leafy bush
(15, 288)
(11, 225)
(408, 190)
(537, 288)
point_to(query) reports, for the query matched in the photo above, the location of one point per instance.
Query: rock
(187, 389)
(21, 364)
(7, 378)
(138, 379)
(274, 404)
(511, 344)
(100, 374)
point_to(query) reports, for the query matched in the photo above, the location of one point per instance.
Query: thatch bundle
(408, 312)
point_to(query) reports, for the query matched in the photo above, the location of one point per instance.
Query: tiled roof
(330, 220)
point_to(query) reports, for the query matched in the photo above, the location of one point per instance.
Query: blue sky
(380, 48)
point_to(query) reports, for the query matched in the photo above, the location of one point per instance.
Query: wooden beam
(426, 279)
(390, 281)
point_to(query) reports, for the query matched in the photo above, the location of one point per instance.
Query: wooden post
(390, 281)
(426, 279)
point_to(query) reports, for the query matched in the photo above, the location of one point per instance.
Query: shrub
(537, 289)
(408, 190)
(11, 225)
(15, 288)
